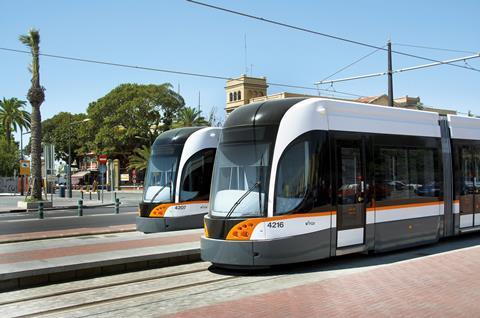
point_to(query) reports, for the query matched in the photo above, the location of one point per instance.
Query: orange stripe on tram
(243, 230)
(159, 210)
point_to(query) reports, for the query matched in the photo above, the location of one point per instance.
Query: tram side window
(404, 173)
(302, 182)
(197, 175)
(422, 173)
(292, 177)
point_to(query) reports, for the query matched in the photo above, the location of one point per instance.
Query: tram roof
(462, 127)
(176, 136)
(337, 115)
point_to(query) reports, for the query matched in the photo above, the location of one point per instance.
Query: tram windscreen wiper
(163, 187)
(256, 184)
(158, 192)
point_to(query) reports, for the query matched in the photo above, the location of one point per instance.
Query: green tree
(8, 157)
(127, 115)
(188, 117)
(12, 116)
(139, 159)
(58, 130)
(35, 96)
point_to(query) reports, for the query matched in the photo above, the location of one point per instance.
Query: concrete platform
(41, 262)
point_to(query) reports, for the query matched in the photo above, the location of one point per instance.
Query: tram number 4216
(276, 225)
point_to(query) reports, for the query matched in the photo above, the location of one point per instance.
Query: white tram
(308, 178)
(177, 183)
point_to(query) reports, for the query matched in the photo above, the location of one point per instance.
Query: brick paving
(30, 236)
(44, 254)
(444, 285)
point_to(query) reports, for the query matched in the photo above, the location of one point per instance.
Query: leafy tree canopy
(8, 157)
(129, 116)
(59, 129)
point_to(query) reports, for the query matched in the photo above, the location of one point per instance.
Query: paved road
(65, 219)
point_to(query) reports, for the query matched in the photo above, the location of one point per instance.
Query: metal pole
(69, 171)
(390, 74)
(40, 210)
(80, 207)
(117, 206)
(21, 157)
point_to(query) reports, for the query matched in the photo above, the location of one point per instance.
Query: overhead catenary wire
(406, 69)
(433, 48)
(351, 64)
(145, 68)
(290, 26)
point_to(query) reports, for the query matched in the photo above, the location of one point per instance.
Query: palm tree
(12, 116)
(35, 96)
(188, 117)
(139, 158)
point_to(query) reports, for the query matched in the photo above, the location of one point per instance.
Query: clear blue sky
(176, 34)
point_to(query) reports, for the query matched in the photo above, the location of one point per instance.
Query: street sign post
(102, 168)
(102, 159)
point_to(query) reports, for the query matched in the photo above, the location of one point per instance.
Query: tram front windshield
(240, 183)
(161, 174)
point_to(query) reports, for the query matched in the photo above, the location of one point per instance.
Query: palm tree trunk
(36, 151)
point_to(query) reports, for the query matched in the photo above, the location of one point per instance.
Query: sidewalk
(8, 202)
(46, 261)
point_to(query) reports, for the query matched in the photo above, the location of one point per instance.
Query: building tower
(241, 90)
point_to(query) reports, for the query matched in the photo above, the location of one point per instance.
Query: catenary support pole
(390, 74)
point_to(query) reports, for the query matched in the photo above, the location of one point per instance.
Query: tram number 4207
(276, 224)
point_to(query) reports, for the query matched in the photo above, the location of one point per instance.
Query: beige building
(404, 102)
(246, 89)
(241, 90)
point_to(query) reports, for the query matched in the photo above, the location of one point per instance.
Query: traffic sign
(24, 167)
(102, 159)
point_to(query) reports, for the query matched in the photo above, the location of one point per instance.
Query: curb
(38, 238)
(68, 273)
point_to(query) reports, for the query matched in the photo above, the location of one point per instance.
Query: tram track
(81, 289)
(63, 301)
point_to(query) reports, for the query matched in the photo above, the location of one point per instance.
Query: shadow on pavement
(353, 261)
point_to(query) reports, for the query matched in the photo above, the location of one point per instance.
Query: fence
(8, 185)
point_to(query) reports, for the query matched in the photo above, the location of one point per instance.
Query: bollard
(80, 207)
(81, 194)
(117, 206)
(90, 193)
(115, 196)
(98, 194)
(40, 210)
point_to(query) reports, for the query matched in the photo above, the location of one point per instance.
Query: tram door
(470, 187)
(350, 193)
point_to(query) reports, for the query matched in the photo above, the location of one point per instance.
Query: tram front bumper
(227, 253)
(261, 253)
(163, 224)
(150, 225)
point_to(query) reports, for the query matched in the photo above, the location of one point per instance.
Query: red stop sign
(102, 159)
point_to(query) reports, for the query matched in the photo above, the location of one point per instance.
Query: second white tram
(308, 178)
(177, 182)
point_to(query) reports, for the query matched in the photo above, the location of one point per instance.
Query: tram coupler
(40, 210)
(80, 207)
(117, 205)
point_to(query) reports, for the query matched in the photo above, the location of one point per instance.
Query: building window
(235, 96)
(231, 96)
(239, 95)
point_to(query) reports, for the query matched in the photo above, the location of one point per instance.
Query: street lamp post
(69, 170)
(21, 157)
